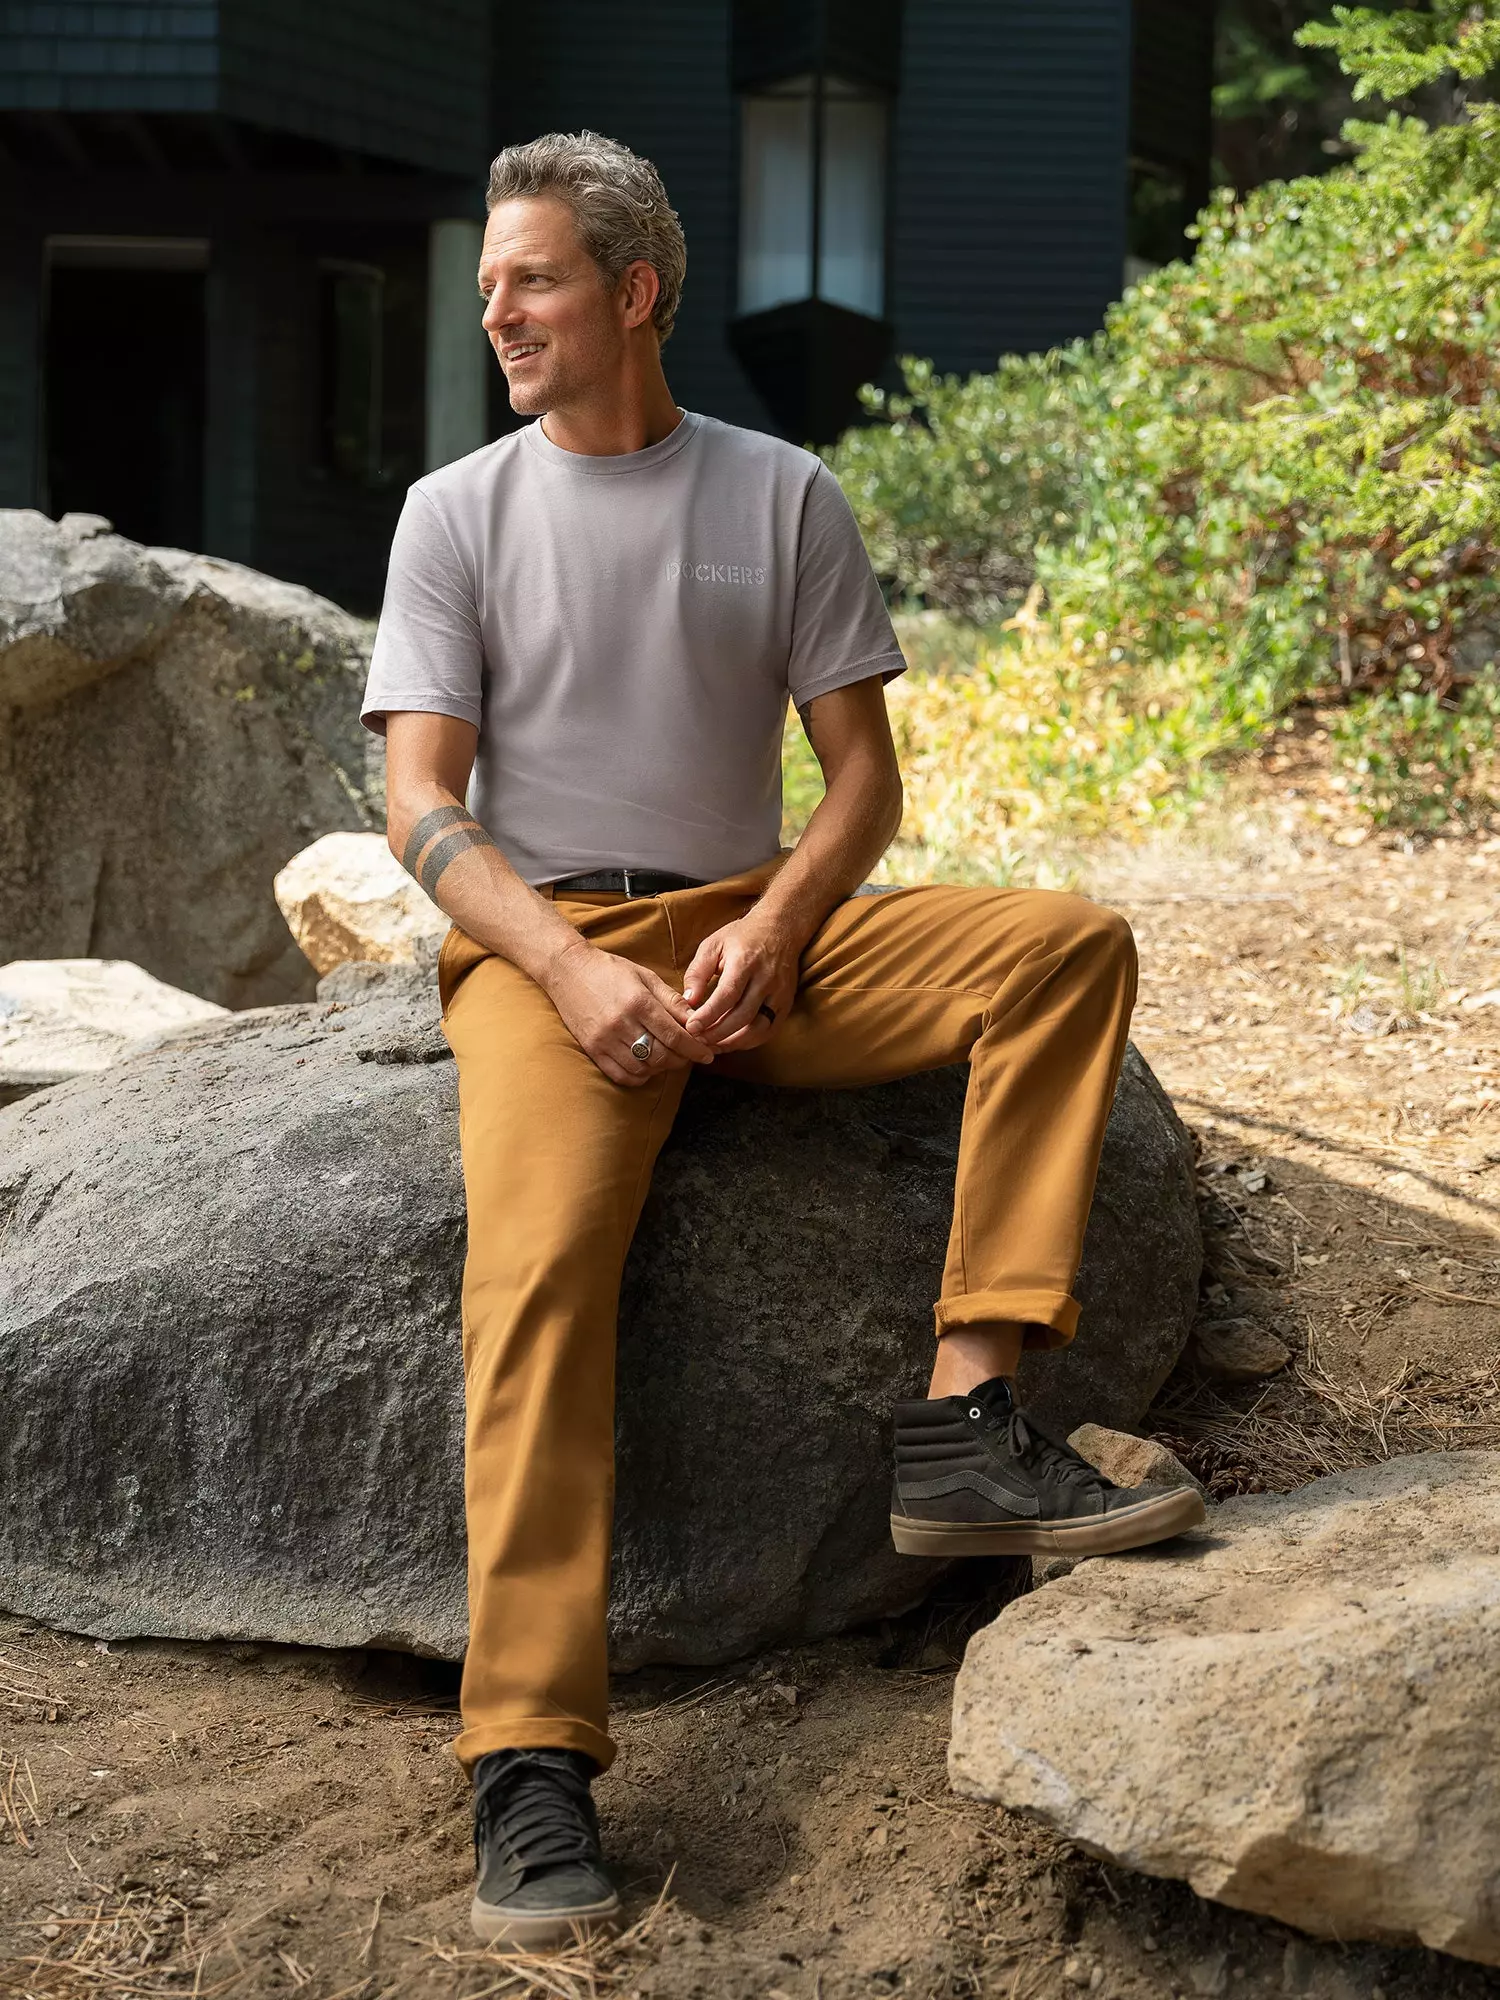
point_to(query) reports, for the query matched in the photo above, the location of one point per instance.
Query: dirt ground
(1325, 1009)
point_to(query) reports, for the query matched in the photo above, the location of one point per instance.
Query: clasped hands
(607, 1000)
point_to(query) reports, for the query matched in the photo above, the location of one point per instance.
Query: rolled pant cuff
(1050, 1318)
(533, 1732)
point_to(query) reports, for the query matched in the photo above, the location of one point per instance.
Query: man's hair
(619, 206)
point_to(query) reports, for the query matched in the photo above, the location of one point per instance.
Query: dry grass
(140, 1946)
(118, 1949)
(588, 1970)
(24, 1697)
(18, 1800)
(1304, 1424)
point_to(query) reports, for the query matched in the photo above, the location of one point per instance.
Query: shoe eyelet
(975, 1412)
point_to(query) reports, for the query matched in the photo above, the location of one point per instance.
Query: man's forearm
(440, 843)
(853, 824)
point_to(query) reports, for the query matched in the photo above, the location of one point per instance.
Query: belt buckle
(629, 892)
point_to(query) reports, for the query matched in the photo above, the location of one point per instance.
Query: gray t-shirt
(624, 633)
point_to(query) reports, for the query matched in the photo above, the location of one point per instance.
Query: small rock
(1130, 1461)
(1298, 1964)
(1237, 1350)
(1076, 1972)
(1210, 1974)
(348, 897)
(1047, 1569)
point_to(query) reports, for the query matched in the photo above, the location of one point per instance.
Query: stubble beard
(563, 378)
(533, 398)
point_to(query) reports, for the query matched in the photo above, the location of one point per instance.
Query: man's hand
(737, 969)
(606, 1000)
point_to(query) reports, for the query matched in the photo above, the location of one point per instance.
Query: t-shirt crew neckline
(610, 465)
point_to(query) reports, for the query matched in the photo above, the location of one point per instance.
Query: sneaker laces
(537, 1811)
(1033, 1447)
(1029, 1443)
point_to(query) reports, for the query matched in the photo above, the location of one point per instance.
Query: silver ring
(640, 1048)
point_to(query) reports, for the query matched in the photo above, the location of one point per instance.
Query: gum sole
(1169, 1513)
(542, 1930)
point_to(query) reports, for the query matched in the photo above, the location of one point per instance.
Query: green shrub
(1283, 458)
(1414, 761)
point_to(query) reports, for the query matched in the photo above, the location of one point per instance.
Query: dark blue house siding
(107, 58)
(663, 88)
(381, 77)
(1012, 123)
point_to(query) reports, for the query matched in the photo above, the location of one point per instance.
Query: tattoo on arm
(437, 857)
(428, 825)
(429, 866)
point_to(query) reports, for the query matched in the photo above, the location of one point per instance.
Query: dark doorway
(125, 377)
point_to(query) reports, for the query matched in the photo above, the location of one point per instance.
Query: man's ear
(640, 289)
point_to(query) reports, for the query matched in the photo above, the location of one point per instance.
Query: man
(591, 629)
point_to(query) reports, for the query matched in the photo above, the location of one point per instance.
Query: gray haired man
(590, 635)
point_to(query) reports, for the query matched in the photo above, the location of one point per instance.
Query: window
(351, 313)
(805, 135)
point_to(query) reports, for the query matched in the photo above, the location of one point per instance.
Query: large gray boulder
(1293, 1708)
(172, 729)
(229, 1341)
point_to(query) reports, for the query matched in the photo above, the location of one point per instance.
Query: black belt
(634, 881)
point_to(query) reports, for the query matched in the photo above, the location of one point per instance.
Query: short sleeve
(841, 630)
(429, 652)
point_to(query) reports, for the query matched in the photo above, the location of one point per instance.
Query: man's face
(555, 326)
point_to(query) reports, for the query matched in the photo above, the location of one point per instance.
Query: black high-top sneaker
(536, 1845)
(975, 1476)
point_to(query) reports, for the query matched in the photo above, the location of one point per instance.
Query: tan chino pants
(1033, 988)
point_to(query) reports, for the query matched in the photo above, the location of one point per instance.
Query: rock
(347, 898)
(362, 979)
(229, 1339)
(1128, 1461)
(62, 1016)
(1236, 1350)
(172, 729)
(1292, 1708)
(1047, 1569)
(1209, 1975)
(1131, 1461)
